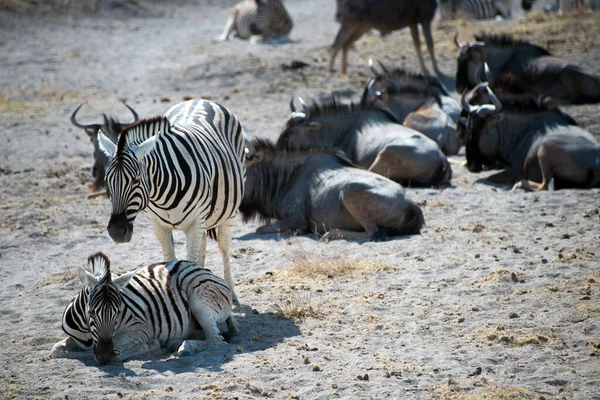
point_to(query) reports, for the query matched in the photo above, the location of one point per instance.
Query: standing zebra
(160, 305)
(267, 19)
(186, 170)
(476, 9)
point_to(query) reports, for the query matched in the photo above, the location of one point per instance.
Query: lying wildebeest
(321, 191)
(544, 73)
(259, 20)
(111, 128)
(539, 146)
(357, 17)
(372, 137)
(416, 100)
(399, 78)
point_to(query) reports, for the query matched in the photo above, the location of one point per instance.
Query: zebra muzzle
(119, 229)
(103, 352)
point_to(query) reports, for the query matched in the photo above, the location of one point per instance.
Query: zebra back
(262, 17)
(477, 9)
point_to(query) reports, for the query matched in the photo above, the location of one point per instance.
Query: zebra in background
(161, 305)
(475, 9)
(264, 20)
(186, 170)
(560, 6)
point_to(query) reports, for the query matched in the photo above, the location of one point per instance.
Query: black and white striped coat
(259, 20)
(476, 9)
(161, 305)
(186, 170)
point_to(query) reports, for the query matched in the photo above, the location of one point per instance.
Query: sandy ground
(498, 298)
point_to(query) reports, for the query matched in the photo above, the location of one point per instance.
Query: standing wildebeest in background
(111, 128)
(417, 101)
(359, 16)
(251, 19)
(372, 138)
(321, 191)
(545, 74)
(539, 146)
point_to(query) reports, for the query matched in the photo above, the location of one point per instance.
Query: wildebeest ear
(255, 158)
(124, 279)
(106, 145)
(143, 148)
(86, 278)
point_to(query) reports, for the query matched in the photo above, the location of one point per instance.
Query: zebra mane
(506, 40)
(143, 129)
(99, 265)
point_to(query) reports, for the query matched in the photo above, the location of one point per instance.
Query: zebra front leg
(195, 238)
(224, 242)
(68, 348)
(165, 237)
(227, 30)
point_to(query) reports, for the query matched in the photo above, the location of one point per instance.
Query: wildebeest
(544, 73)
(357, 17)
(539, 145)
(372, 137)
(321, 191)
(416, 100)
(264, 20)
(111, 128)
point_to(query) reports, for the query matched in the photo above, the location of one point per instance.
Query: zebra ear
(106, 145)
(86, 278)
(143, 148)
(124, 279)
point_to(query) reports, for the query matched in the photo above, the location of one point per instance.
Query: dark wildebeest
(372, 138)
(417, 101)
(321, 191)
(544, 73)
(359, 16)
(539, 146)
(111, 128)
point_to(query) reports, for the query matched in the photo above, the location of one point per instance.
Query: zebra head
(127, 174)
(104, 305)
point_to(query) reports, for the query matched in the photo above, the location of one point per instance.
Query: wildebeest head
(299, 127)
(478, 118)
(111, 129)
(104, 305)
(470, 62)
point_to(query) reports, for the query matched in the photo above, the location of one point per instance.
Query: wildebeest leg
(414, 31)
(355, 205)
(503, 178)
(276, 227)
(224, 242)
(426, 25)
(347, 35)
(546, 154)
(165, 238)
(382, 166)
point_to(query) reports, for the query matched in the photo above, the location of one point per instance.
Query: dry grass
(502, 275)
(300, 305)
(511, 337)
(482, 390)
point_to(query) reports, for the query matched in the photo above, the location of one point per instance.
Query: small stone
(316, 368)
(513, 315)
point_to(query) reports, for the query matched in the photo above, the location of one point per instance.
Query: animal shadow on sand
(380, 237)
(258, 331)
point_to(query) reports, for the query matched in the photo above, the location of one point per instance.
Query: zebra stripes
(267, 18)
(186, 170)
(159, 305)
(477, 9)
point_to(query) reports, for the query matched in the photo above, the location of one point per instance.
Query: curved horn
(384, 68)
(465, 104)
(456, 42)
(292, 106)
(77, 124)
(135, 116)
(488, 73)
(303, 104)
(495, 101)
(372, 67)
(476, 75)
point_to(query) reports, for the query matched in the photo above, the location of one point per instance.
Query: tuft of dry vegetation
(300, 305)
(511, 337)
(481, 390)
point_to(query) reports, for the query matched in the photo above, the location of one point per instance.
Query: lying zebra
(161, 305)
(260, 21)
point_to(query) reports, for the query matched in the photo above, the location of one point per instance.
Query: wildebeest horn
(292, 106)
(77, 124)
(476, 75)
(495, 101)
(303, 104)
(465, 104)
(370, 89)
(135, 116)
(384, 68)
(372, 67)
(456, 41)
(488, 73)
(298, 115)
